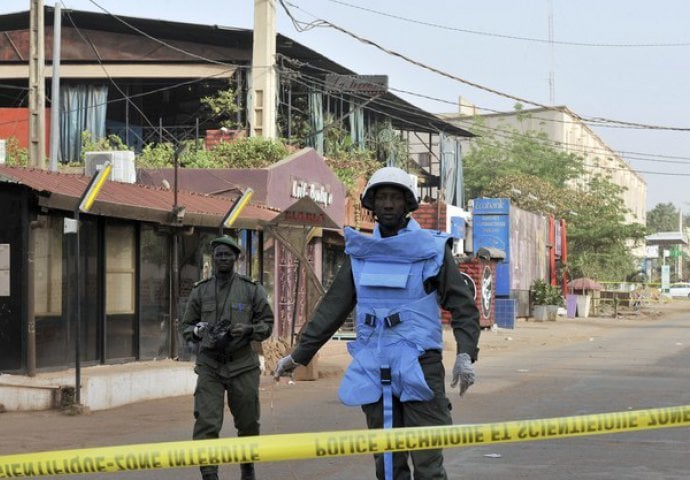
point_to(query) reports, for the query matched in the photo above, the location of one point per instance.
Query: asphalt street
(554, 369)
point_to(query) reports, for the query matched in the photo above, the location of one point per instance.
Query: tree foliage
(346, 159)
(510, 153)
(664, 217)
(223, 107)
(15, 156)
(90, 144)
(539, 178)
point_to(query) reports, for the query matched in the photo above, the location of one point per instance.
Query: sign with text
(316, 191)
(665, 278)
(357, 83)
(491, 221)
(305, 212)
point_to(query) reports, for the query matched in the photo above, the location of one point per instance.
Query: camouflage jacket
(240, 301)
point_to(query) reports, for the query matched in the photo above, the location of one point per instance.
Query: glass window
(120, 260)
(121, 327)
(154, 294)
(47, 245)
(268, 278)
(54, 327)
(91, 326)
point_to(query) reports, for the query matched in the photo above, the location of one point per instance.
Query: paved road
(621, 365)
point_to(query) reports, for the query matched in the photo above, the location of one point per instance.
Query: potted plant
(539, 298)
(554, 300)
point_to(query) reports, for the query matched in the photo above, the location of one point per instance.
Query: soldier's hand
(200, 330)
(463, 373)
(285, 367)
(241, 330)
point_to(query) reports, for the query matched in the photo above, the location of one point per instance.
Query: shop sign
(307, 213)
(374, 84)
(484, 205)
(317, 192)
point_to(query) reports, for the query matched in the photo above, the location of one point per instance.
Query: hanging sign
(357, 83)
(305, 212)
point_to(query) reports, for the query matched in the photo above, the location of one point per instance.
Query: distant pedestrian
(225, 313)
(397, 279)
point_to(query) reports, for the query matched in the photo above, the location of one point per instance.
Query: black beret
(229, 241)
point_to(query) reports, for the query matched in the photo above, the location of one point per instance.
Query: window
(47, 246)
(120, 261)
(424, 159)
(154, 294)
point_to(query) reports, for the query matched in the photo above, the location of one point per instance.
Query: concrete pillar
(263, 73)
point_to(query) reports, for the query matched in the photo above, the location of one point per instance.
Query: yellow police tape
(270, 448)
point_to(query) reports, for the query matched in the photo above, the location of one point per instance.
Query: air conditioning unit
(121, 160)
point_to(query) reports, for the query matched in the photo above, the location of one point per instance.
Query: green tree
(15, 156)
(349, 162)
(89, 144)
(538, 177)
(223, 107)
(663, 218)
(598, 236)
(511, 152)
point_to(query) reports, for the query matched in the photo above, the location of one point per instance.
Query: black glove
(200, 330)
(241, 330)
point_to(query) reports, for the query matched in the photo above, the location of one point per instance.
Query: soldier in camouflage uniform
(224, 314)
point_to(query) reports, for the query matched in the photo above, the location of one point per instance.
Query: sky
(626, 61)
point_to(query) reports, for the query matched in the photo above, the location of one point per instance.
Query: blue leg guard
(387, 416)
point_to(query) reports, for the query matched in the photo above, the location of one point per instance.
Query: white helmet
(391, 176)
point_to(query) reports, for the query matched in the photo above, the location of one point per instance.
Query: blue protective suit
(396, 320)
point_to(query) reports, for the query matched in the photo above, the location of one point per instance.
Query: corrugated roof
(403, 114)
(132, 201)
(666, 238)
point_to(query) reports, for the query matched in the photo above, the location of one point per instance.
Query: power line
(303, 26)
(112, 81)
(627, 154)
(511, 37)
(597, 120)
(382, 101)
(315, 81)
(161, 42)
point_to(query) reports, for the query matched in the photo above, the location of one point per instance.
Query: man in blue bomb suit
(396, 279)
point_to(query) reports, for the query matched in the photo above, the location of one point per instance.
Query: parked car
(680, 289)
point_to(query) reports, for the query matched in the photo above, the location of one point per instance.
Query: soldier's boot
(247, 470)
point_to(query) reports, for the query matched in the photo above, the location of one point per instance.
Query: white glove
(285, 367)
(463, 372)
(200, 330)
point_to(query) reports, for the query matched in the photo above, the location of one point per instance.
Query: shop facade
(303, 174)
(124, 285)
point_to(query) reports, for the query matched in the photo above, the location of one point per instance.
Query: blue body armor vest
(396, 320)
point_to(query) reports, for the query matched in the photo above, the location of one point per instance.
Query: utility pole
(55, 89)
(552, 79)
(262, 121)
(37, 121)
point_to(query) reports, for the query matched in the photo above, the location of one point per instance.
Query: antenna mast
(552, 81)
